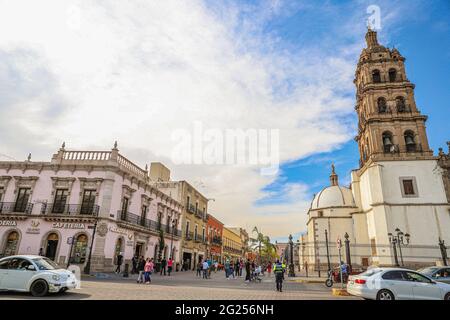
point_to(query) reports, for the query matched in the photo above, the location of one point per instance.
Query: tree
(266, 250)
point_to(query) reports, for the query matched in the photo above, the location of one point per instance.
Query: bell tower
(390, 126)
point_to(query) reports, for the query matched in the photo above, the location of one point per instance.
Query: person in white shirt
(205, 269)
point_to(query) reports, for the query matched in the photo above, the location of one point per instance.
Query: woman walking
(269, 268)
(149, 266)
(169, 266)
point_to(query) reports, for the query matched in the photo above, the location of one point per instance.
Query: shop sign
(8, 223)
(65, 225)
(122, 231)
(34, 227)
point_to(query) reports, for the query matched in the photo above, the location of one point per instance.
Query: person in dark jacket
(119, 261)
(247, 271)
(163, 266)
(134, 263)
(140, 269)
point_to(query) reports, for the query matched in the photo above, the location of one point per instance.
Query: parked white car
(396, 283)
(35, 274)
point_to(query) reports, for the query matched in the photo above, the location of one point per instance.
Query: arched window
(400, 104)
(387, 141)
(409, 141)
(12, 243)
(381, 103)
(51, 246)
(392, 75)
(376, 77)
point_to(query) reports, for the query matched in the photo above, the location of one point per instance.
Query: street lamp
(399, 239)
(443, 251)
(291, 264)
(87, 268)
(171, 239)
(328, 252)
(347, 251)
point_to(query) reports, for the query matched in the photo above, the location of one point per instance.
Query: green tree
(266, 250)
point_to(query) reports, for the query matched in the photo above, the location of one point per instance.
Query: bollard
(125, 271)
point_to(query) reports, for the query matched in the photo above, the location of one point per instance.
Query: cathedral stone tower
(390, 124)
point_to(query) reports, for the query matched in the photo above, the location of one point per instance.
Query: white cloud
(135, 71)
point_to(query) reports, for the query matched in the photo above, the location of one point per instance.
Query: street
(186, 286)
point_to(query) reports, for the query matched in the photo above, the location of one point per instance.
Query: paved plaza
(186, 286)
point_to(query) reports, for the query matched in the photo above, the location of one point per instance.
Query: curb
(340, 292)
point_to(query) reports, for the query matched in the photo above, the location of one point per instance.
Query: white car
(35, 274)
(396, 283)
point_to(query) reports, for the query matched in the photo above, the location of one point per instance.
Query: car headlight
(56, 277)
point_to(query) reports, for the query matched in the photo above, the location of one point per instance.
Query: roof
(333, 196)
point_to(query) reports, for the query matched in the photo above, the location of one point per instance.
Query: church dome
(333, 196)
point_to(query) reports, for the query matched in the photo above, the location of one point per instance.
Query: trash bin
(125, 271)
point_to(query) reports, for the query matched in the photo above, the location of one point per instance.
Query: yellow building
(231, 244)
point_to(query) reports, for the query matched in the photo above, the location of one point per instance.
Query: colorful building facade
(215, 231)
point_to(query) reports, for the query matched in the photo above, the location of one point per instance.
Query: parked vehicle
(396, 284)
(35, 274)
(334, 276)
(441, 274)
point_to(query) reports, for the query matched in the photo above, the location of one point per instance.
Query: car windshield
(370, 272)
(427, 270)
(45, 264)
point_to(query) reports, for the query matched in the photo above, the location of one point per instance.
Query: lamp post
(347, 252)
(87, 268)
(443, 251)
(328, 252)
(398, 239)
(291, 264)
(171, 239)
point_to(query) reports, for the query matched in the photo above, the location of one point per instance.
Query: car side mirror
(31, 268)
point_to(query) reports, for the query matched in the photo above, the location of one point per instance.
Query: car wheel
(62, 290)
(447, 296)
(385, 295)
(39, 288)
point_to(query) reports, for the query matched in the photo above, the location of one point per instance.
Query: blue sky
(91, 73)
(422, 35)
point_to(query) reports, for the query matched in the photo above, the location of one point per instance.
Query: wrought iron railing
(147, 223)
(14, 207)
(70, 209)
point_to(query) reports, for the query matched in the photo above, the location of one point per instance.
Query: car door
(18, 274)
(395, 281)
(443, 275)
(423, 287)
(3, 271)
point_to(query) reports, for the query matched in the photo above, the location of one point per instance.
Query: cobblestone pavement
(186, 286)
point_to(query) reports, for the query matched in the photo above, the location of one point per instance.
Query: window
(88, 202)
(59, 205)
(393, 275)
(195, 232)
(4, 264)
(143, 214)
(196, 207)
(80, 249)
(124, 210)
(415, 277)
(11, 245)
(392, 75)
(381, 103)
(203, 234)
(1, 194)
(187, 228)
(400, 104)
(22, 200)
(408, 187)
(188, 201)
(409, 141)
(376, 76)
(387, 142)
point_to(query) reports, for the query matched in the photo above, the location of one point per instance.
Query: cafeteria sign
(61, 225)
(8, 223)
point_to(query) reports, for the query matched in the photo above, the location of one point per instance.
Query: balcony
(189, 235)
(199, 214)
(190, 208)
(216, 241)
(146, 223)
(14, 207)
(69, 209)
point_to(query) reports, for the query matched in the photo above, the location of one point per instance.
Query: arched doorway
(11, 244)
(80, 249)
(51, 245)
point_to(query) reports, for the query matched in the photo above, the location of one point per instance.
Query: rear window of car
(393, 275)
(370, 272)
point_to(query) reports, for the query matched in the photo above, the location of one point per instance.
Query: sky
(91, 73)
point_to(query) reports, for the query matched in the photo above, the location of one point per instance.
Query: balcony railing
(14, 207)
(189, 235)
(216, 241)
(190, 208)
(199, 214)
(147, 223)
(70, 209)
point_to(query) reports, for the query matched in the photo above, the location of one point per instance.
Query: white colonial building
(399, 194)
(54, 208)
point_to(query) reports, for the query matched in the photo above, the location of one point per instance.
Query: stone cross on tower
(333, 176)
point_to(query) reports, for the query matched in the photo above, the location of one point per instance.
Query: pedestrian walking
(119, 260)
(141, 269)
(236, 268)
(241, 266)
(148, 269)
(227, 268)
(205, 267)
(247, 271)
(134, 263)
(269, 268)
(199, 269)
(163, 266)
(216, 266)
(169, 266)
(279, 271)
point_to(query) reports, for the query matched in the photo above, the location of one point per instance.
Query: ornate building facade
(85, 204)
(400, 192)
